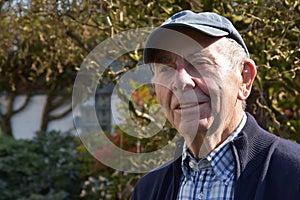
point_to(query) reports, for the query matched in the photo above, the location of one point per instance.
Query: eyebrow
(161, 55)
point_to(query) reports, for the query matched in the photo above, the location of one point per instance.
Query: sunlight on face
(197, 87)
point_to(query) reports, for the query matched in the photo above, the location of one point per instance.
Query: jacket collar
(249, 150)
(252, 147)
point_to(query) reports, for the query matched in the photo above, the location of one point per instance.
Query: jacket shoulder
(149, 186)
(284, 172)
(287, 154)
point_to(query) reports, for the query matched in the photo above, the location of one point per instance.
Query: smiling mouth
(187, 105)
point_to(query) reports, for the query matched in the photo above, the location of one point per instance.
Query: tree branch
(78, 40)
(26, 102)
(61, 99)
(59, 116)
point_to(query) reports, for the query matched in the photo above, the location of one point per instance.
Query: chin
(197, 127)
(190, 130)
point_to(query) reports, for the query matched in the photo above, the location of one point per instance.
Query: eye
(198, 62)
(199, 65)
(164, 68)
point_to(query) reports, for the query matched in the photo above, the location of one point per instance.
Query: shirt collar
(220, 159)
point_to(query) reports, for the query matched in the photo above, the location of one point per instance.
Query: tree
(41, 53)
(271, 32)
(34, 58)
(44, 43)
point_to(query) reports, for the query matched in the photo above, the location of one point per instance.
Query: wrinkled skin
(200, 91)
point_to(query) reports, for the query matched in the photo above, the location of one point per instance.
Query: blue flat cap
(209, 23)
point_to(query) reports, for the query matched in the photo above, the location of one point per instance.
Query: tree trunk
(5, 125)
(47, 108)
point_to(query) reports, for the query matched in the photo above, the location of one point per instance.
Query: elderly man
(202, 78)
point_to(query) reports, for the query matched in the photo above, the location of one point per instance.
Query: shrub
(45, 167)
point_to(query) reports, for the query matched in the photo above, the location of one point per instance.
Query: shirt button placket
(192, 165)
(201, 196)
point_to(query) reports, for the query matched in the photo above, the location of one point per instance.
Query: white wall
(27, 122)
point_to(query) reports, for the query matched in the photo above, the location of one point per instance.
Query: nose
(183, 80)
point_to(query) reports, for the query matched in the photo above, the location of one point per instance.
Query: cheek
(223, 82)
(164, 98)
(228, 92)
(220, 88)
(234, 84)
(214, 85)
(162, 95)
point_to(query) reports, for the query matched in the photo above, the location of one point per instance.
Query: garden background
(43, 44)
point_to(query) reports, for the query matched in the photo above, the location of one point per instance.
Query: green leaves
(42, 168)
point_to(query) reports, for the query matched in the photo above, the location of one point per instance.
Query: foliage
(271, 32)
(101, 181)
(43, 44)
(46, 167)
(36, 56)
(277, 53)
(117, 185)
(104, 182)
(101, 188)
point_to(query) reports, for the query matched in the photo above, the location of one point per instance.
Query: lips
(186, 105)
(189, 105)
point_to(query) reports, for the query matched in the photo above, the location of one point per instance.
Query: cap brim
(202, 28)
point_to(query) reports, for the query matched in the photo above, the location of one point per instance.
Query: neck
(204, 143)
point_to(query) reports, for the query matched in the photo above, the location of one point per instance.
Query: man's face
(196, 85)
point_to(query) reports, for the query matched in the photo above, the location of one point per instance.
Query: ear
(248, 75)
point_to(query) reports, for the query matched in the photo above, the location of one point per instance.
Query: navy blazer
(267, 168)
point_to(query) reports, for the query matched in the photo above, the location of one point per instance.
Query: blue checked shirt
(213, 176)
